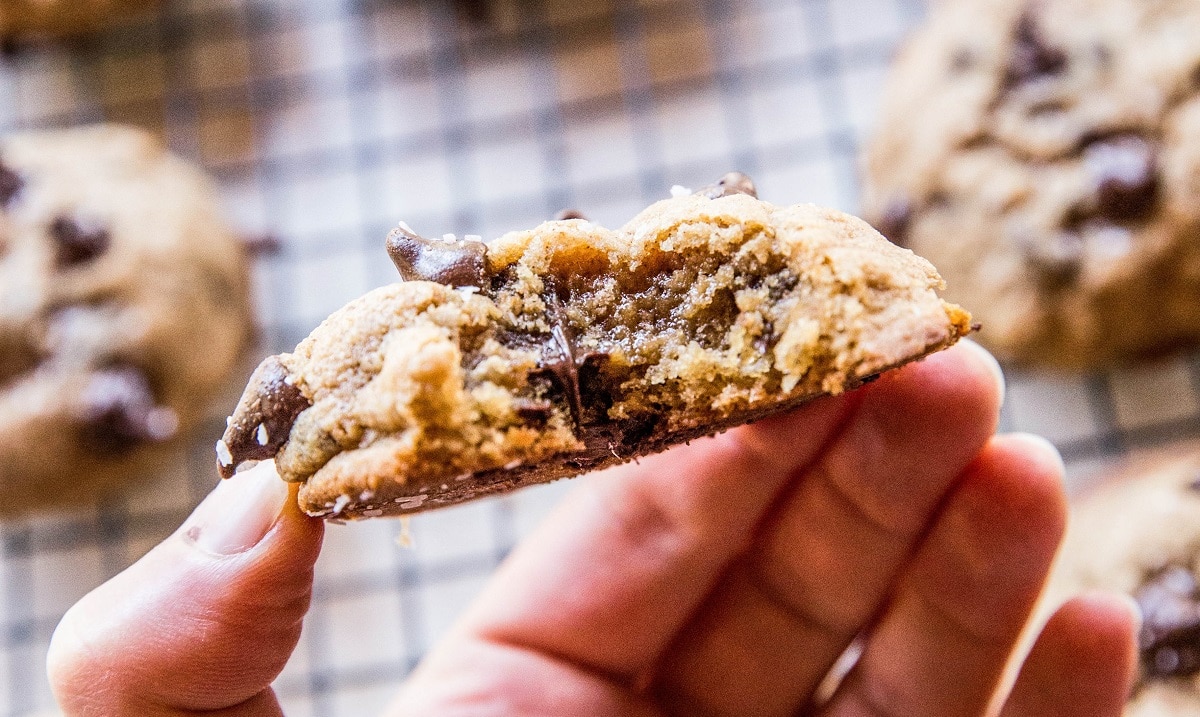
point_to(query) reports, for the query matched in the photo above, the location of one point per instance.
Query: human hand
(724, 578)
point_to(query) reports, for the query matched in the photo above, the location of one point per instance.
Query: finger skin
(185, 631)
(611, 578)
(613, 573)
(827, 558)
(941, 647)
(1083, 663)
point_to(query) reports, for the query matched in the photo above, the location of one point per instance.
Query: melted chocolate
(1170, 636)
(118, 411)
(78, 241)
(263, 424)
(1033, 57)
(457, 263)
(10, 185)
(732, 183)
(1124, 170)
(571, 372)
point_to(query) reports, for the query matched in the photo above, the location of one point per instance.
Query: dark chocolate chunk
(453, 263)
(1124, 170)
(897, 220)
(118, 411)
(1032, 56)
(10, 185)
(78, 240)
(732, 183)
(263, 423)
(570, 214)
(1170, 636)
(535, 412)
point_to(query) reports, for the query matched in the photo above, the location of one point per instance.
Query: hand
(724, 578)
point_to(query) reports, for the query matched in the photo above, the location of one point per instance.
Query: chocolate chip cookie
(570, 347)
(1045, 155)
(123, 305)
(1141, 536)
(65, 17)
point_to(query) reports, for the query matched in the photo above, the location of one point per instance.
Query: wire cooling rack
(328, 121)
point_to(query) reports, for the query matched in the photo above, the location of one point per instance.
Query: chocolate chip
(535, 412)
(10, 185)
(453, 263)
(1032, 56)
(1170, 636)
(264, 417)
(570, 214)
(79, 240)
(1124, 171)
(732, 183)
(897, 220)
(118, 411)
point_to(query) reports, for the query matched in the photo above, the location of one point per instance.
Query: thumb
(205, 621)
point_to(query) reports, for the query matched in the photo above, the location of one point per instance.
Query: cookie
(123, 307)
(65, 17)
(570, 347)
(1045, 155)
(1141, 536)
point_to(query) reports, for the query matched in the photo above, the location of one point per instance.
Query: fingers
(612, 577)
(205, 621)
(608, 579)
(1082, 664)
(940, 648)
(828, 557)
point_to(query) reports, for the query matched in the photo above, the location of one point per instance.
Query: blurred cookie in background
(65, 17)
(124, 306)
(1045, 155)
(1140, 535)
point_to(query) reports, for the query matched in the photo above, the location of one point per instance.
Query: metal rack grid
(327, 121)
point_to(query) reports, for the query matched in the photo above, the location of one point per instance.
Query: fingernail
(239, 513)
(992, 365)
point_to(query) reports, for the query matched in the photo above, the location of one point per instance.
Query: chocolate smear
(263, 420)
(454, 263)
(732, 183)
(1170, 635)
(564, 365)
(10, 185)
(1033, 57)
(78, 240)
(118, 411)
(1124, 170)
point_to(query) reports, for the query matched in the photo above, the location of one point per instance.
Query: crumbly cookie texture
(65, 17)
(1050, 168)
(123, 306)
(1140, 535)
(570, 347)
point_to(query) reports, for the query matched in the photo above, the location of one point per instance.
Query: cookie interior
(581, 347)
